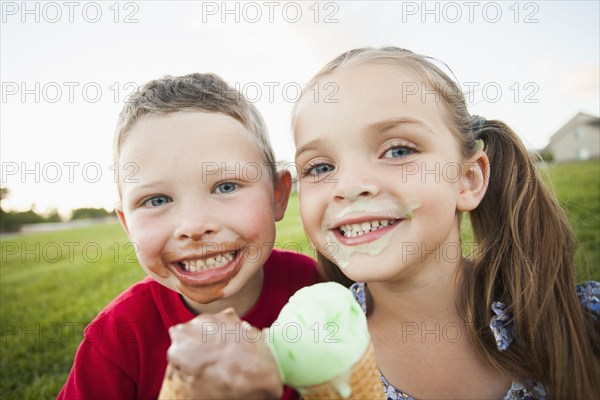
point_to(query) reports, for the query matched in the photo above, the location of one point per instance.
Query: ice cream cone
(362, 379)
(173, 386)
(338, 365)
(219, 356)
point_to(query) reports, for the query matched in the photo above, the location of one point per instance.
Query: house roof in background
(579, 119)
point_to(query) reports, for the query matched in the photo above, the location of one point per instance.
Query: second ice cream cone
(338, 365)
(361, 382)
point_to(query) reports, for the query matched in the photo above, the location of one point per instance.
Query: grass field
(53, 284)
(577, 187)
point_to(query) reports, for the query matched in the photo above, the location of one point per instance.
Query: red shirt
(123, 353)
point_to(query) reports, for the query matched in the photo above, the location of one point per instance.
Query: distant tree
(3, 195)
(11, 221)
(85, 213)
(54, 216)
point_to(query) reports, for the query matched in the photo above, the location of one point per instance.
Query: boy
(200, 210)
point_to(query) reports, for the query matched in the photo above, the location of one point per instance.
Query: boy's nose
(198, 225)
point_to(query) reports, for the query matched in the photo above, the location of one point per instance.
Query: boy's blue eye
(157, 201)
(397, 152)
(226, 187)
(319, 169)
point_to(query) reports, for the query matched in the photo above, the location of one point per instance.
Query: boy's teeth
(353, 230)
(208, 263)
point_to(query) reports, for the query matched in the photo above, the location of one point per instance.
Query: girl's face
(381, 176)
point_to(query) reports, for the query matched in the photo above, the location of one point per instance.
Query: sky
(66, 69)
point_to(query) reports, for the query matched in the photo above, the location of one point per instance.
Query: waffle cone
(173, 386)
(363, 379)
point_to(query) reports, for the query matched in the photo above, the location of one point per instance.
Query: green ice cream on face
(319, 334)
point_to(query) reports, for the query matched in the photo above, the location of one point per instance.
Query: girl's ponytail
(524, 258)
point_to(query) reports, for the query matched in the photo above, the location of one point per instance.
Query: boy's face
(201, 207)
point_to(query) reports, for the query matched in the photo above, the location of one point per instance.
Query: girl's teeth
(354, 230)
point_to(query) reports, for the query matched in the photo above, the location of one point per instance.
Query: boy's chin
(207, 295)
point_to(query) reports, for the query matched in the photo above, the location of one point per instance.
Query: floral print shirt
(589, 296)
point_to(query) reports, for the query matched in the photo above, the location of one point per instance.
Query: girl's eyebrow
(382, 126)
(313, 144)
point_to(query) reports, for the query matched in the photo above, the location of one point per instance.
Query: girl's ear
(283, 188)
(474, 181)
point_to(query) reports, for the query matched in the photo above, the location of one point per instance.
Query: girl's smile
(363, 230)
(365, 221)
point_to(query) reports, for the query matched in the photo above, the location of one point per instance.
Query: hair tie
(477, 123)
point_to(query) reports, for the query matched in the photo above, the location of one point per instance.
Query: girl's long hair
(525, 251)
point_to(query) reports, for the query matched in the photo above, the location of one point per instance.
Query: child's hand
(216, 356)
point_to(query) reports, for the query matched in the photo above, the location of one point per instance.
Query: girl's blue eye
(397, 152)
(226, 187)
(319, 169)
(157, 201)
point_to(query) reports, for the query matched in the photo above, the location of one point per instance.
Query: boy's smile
(205, 269)
(202, 207)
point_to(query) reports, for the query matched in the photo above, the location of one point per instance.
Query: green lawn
(53, 284)
(577, 186)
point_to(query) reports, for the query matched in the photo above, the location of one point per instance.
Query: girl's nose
(354, 192)
(353, 184)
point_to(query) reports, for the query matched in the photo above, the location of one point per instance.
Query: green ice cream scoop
(319, 334)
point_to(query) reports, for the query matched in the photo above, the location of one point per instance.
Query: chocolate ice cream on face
(219, 356)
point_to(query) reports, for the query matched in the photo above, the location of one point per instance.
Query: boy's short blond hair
(193, 92)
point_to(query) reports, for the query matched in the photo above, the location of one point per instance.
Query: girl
(387, 165)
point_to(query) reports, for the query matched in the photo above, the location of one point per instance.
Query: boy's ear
(283, 188)
(474, 181)
(121, 215)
